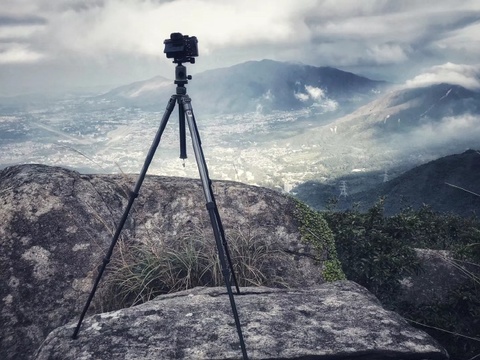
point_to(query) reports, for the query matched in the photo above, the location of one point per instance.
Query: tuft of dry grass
(142, 270)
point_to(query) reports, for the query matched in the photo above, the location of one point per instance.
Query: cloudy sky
(52, 45)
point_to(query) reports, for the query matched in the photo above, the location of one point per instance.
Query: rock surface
(340, 320)
(56, 225)
(440, 275)
(51, 239)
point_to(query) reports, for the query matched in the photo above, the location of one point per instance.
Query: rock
(56, 225)
(53, 229)
(441, 274)
(340, 320)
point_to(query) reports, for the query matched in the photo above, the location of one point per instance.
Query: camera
(182, 48)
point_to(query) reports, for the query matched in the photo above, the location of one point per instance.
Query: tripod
(185, 111)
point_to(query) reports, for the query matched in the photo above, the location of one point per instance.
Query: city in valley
(252, 148)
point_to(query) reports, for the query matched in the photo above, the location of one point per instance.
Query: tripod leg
(181, 122)
(224, 241)
(207, 185)
(214, 215)
(132, 197)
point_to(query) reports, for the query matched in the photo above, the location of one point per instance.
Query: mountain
(404, 110)
(287, 124)
(397, 131)
(438, 183)
(257, 86)
(448, 184)
(141, 93)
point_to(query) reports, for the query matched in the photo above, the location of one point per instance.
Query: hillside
(428, 184)
(394, 133)
(402, 111)
(424, 184)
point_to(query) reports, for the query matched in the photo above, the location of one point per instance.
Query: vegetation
(142, 270)
(315, 231)
(378, 252)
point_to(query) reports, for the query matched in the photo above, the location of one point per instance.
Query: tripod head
(181, 77)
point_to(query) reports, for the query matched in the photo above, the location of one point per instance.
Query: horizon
(467, 76)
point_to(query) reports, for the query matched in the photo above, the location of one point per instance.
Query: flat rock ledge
(340, 320)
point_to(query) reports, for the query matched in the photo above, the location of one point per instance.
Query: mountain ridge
(400, 110)
(445, 184)
(438, 183)
(258, 86)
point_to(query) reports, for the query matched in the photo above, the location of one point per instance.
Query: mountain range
(257, 86)
(434, 120)
(405, 111)
(371, 132)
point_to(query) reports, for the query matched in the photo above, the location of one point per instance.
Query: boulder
(56, 225)
(52, 233)
(441, 275)
(340, 320)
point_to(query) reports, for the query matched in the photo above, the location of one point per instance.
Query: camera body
(182, 48)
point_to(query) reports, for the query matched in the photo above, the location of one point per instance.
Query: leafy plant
(377, 252)
(372, 250)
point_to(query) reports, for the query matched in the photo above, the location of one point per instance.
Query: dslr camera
(181, 48)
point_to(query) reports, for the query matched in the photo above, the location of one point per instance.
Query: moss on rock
(315, 231)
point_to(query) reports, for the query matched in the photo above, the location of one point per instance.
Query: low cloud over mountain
(467, 76)
(433, 116)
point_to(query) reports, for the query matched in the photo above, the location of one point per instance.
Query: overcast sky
(51, 45)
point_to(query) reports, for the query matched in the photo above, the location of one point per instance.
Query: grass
(142, 270)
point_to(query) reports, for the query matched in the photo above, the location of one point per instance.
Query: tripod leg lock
(133, 194)
(210, 205)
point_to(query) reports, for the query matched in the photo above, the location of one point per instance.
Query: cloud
(372, 34)
(15, 32)
(353, 33)
(467, 76)
(460, 130)
(18, 54)
(318, 97)
(139, 27)
(388, 53)
(97, 28)
(463, 44)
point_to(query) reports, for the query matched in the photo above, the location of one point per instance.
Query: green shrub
(425, 228)
(377, 252)
(372, 252)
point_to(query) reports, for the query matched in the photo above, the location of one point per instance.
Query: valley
(278, 150)
(252, 147)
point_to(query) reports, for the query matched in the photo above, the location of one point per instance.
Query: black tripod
(185, 110)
